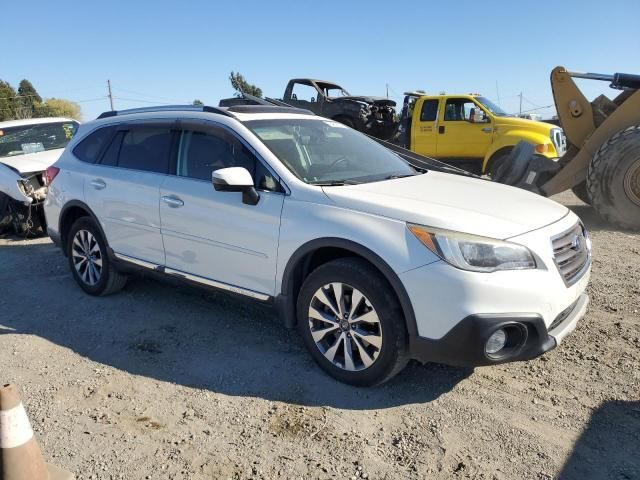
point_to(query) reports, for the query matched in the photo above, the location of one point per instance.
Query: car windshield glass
(492, 107)
(35, 138)
(325, 152)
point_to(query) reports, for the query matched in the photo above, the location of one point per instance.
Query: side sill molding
(194, 278)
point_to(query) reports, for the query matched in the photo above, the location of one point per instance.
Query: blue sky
(172, 52)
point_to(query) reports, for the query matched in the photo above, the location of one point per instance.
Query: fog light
(496, 342)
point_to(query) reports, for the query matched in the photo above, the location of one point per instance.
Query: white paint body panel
(216, 236)
(128, 208)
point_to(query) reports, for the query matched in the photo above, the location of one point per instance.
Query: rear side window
(429, 111)
(89, 149)
(146, 149)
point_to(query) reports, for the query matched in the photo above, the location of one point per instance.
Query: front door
(465, 131)
(213, 234)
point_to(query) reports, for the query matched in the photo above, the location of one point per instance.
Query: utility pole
(498, 92)
(387, 91)
(520, 103)
(110, 95)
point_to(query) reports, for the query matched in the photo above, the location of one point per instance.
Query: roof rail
(165, 108)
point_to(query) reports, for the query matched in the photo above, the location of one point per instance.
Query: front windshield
(325, 152)
(35, 138)
(492, 107)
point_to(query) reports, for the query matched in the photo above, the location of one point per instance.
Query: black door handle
(440, 129)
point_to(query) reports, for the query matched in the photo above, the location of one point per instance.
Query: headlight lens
(471, 252)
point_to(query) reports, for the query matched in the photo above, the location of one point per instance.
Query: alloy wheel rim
(345, 327)
(632, 183)
(87, 257)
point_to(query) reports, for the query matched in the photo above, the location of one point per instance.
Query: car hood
(32, 162)
(525, 124)
(453, 202)
(374, 100)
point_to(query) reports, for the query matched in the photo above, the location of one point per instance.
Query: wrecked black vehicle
(27, 149)
(374, 116)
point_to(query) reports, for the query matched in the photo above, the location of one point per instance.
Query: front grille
(572, 253)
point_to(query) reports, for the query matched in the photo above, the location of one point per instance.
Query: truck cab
(471, 130)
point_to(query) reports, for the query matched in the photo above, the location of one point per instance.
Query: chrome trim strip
(136, 261)
(194, 278)
(216, 284)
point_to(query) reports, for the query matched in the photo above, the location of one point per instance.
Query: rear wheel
(352, 323)
(613, 179)
(88, 259)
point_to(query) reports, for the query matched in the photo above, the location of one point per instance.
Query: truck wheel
(580, 190)
(613, 179)
(497, 161)
(352, 323)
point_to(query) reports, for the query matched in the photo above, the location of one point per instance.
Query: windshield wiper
(334, 183)
(403, 175)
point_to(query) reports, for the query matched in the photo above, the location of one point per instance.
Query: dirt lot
(165, 381)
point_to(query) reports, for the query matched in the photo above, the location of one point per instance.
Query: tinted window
(200, 153)
(89, 149)
(146, 148)
(110, 156)
(429, 111)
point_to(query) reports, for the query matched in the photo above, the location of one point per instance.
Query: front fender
(511, 138)
(9, 179)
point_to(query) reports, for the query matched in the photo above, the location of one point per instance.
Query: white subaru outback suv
(375, 262)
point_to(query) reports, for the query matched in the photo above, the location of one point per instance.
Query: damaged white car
(27, 149)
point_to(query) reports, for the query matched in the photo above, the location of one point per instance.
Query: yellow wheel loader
(602, 161)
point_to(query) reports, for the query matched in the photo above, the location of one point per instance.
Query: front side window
(331, 90)
(27, 139)
(462, 109)
(142, 148)
(320, 151)
(200, 153)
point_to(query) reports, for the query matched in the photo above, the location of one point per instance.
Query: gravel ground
(166, 381)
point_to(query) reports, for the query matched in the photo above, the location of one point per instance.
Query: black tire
(580, 190)
(109, 280)
(497, 161)
(393, 354)
(613, 179)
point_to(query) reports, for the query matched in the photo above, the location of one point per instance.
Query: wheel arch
(319, 251)
(71, 212)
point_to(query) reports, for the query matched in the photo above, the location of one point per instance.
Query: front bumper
(464, 345)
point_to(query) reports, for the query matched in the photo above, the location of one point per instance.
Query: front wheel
(351, 323)
(88, 259)
(613, 179)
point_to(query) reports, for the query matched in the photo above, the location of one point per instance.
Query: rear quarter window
(91, 147)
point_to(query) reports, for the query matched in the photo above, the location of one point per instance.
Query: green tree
(28, 100)
(240, 85)
(58, 107)
(198, 102)
(7, 101)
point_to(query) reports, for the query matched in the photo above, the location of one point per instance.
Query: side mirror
(236, 179)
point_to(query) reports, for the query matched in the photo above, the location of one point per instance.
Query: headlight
(471, 252)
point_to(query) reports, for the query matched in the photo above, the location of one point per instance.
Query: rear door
(465, 131)
(424, 127)
(123, 189)
(212, 234)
